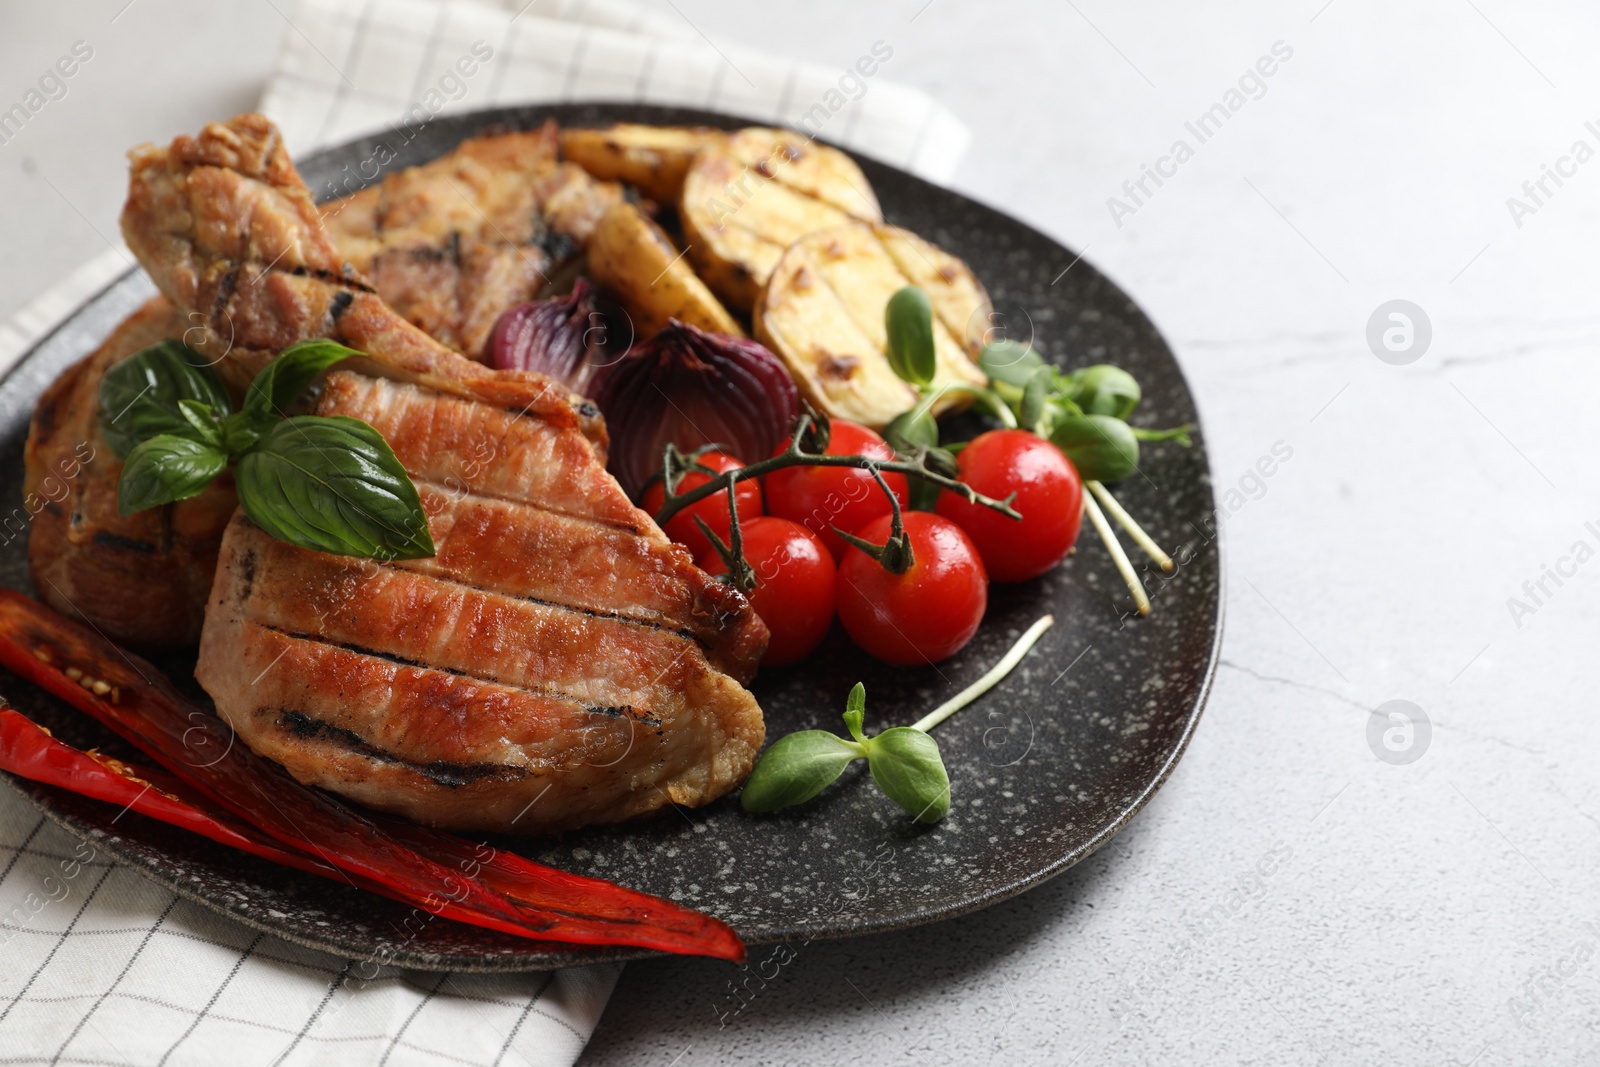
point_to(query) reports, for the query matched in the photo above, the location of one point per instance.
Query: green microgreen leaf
(908, 319)
(855, 711)
(1101, 447)
(1009, 362)
(906, 764)
(904, 761)
(912, 429)
(1035, 396)
(1104, 389)
(796, 768)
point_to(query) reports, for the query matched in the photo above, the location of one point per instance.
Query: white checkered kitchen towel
(99, 965)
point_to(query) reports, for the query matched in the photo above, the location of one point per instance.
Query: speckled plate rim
(549, 955)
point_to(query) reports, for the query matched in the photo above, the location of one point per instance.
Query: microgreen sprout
(904, 760)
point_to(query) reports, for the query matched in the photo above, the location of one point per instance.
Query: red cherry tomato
(924, 615)
(714, 509)
(820, 498)
(1049, 496)
(794, 585)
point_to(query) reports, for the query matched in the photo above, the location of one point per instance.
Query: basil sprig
(904, 762)
(329, 483)
(142, 396)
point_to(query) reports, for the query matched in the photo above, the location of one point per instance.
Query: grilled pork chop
(140, 578)
(453, 243)
(558, 662)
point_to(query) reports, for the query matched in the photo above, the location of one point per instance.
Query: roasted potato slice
(802, 164)
(631, 257)
(747, 200)
(653, 158)
(822, 314)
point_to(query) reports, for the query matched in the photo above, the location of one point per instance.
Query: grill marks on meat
(566, 657)
(557, 663)
(452, 244)
(140, 579)
(501, 488)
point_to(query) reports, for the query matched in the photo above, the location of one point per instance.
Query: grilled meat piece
(558, 663)
(140, 579)
(554, 653)
(453, 243)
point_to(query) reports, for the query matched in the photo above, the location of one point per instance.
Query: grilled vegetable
(631, 257)
(822, 313)
(564, 337)
(653, 158)
(27, 750)
(746, 201)
(692, 389)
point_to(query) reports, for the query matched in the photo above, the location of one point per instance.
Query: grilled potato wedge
(632, 258)
(822, 314)
(653, 158)
(748, 199)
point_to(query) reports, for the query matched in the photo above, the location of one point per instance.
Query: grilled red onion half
(693, 388)
(564, 337)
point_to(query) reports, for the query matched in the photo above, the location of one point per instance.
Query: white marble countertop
(1428, 912)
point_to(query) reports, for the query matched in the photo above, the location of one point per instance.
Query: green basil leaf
(1102, 448)
(1104, 389)
(796, 768)
(167, 468)
(905, 763)
(908, 318)
(281, 382)
(331, 483)
(1009, 362)
(139, 396)
(238, 434)
(203, 425)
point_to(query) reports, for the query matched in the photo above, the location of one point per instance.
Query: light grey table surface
(1433, 912)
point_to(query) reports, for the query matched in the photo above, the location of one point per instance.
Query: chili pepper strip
(414, 863)
(29, 751)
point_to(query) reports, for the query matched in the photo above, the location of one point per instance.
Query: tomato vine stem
(675, 464)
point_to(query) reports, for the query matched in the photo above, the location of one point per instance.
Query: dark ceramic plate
(1044, 770)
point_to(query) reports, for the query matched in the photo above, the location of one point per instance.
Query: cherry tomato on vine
(820, 498)
(1049, 497)
(714, 509)
(794, 585)
(929, 612)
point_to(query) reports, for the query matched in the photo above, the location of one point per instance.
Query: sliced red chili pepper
(445, 874)
(28, 750)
